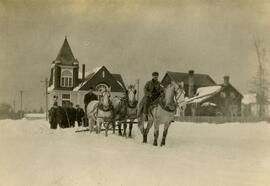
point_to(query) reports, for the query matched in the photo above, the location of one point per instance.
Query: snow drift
(195, 154)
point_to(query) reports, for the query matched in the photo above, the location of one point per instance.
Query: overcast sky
(132, 38)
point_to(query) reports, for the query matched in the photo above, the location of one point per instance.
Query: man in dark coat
(90, 96)
(71, 114)
(59, 116)
(53, 116)
(65, 116)
(152, 90)
(79, 115)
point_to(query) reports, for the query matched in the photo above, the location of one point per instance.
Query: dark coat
(79, 114)
(71, 114)
(53, 117)
(152, 90)
(59, 115)
(65, 119)
(89, 97)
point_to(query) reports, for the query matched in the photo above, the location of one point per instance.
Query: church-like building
(69, 83)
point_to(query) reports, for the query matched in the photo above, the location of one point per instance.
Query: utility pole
(46, 97)
(14, 106)
(21, 95)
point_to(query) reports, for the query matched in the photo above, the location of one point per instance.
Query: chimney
(83, 72)
(226, 80)
(190, 83)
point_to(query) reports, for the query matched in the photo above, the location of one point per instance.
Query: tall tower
(64, 69)
(64, 73)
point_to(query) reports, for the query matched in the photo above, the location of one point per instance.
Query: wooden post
(21, 113)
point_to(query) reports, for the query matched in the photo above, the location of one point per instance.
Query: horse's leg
(141, 124)
(130, 128)
(119, 124)
(156, 133)
(90, 121)
(106, 125)
(113, 126)
(165, 131)
(146, 131)
(125, 128)
(98, 126)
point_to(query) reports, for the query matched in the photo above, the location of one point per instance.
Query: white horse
(161, 113)
(125, 109)
(100, 112)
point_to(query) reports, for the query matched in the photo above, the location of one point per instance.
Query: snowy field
(195, 154)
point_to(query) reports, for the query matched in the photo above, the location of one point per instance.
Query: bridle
(102, 106)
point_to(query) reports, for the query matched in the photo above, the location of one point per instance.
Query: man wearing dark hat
(152, 91)
(90, 96)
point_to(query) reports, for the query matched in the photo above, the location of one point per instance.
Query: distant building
(205, 97)
(250, 106)
(68, 84)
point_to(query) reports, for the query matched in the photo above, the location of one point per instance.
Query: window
(66, 78)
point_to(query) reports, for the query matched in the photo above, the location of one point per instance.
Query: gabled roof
(232, 88)
(119, 79)
(116, 77)
(199, 79)
(204, 93)
(65, 54)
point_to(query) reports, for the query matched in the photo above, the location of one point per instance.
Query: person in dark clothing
(71, 114)
(59, 116)
(79, 115)
(53, 116)
(152, 90)
(90, 96)
(65, 117)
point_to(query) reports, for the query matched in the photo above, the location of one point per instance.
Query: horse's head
(105, 98)
(172, 93)
(131, 94)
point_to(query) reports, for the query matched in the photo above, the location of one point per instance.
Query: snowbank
(195, 154)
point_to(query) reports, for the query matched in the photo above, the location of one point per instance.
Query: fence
(221, 119)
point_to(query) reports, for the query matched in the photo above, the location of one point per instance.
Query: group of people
(67, 115)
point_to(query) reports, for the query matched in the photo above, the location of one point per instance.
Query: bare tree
(260, 82)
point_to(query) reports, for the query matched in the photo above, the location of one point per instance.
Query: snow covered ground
(196, 154)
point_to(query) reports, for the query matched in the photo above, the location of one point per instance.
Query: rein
(175, 104)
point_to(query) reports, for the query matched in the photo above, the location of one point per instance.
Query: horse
(161, 111)
(125, 109)
(101, 112)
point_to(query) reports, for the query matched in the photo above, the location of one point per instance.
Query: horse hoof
(144, 140)
(155, 143)
(162, 143)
